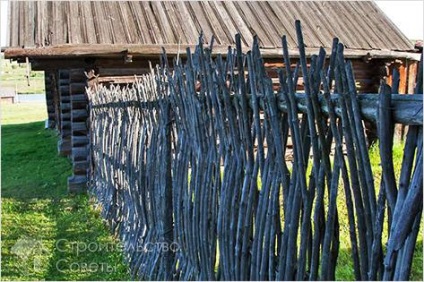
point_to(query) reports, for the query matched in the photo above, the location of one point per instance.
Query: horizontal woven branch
(197, 185)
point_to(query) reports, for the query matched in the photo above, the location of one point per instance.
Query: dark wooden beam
(121, 51)
(406, 109)
(114, 80)
(38, 64)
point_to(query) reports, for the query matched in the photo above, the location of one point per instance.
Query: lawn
(344, 270)
(47, 234)
(70, 238)
(13, 75)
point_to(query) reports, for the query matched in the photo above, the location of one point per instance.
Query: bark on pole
(205, 172)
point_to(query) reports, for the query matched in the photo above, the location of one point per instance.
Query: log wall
(64, 145)
(50, 86)
(79, 133)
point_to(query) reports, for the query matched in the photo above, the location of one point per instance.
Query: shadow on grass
(36, 206)
(31, 167)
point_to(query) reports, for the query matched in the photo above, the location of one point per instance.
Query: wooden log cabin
(74, 42)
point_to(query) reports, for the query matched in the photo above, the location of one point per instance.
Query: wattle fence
(189, 166)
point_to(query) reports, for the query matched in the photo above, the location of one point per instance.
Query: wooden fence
(189, 167)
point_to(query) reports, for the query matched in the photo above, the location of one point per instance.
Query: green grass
(22, 112)
(45, 231)
(344, 270)
(13, 75)
(36, 206)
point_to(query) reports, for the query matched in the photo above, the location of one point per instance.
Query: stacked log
(56, 99)
(79, 137)
(50, 86)
(64, 145)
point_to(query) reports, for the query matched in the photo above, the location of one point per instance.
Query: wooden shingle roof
(360, 25)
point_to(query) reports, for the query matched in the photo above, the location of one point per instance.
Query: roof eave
(152, 51)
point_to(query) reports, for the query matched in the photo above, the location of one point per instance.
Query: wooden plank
(324, 27)
(13, 13)
(338, 28)
(163, 22)
(412, 73)
(293, 10)
(48, 39)
(264, 19)
(128, 22)
(201, 20)
(317, 29)
(187, 21)
(141, 29)
(215, 24)
(46, 22)
(253, 24)
(28, 24)
(74, 23)
(240, 24)
(364, 25)
(359, 31)
(109, 18)
(117, 63)
(38, 22)
(174, 24)
(403, 78)
(60, 31)
(286, 21)
(104, 72)
(116, 23)
(21, 25)
(117, 79)
(88, 26)
(149, 50)
(378, 28)
(67, 23)
(278, 29)
(155, 31)
(224, 17)
(101, 24)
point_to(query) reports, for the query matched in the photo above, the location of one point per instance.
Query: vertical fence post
(168, 221)
(187, 148)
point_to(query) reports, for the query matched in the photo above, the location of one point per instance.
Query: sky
(407, 15)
